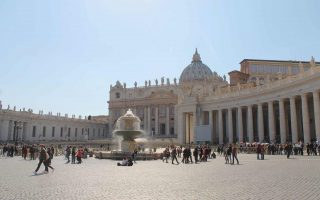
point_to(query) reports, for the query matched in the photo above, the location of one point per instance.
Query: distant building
(25, 126)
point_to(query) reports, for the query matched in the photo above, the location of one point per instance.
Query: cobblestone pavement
(273, 178)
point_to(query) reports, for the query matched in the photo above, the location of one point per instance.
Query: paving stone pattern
(273, 178)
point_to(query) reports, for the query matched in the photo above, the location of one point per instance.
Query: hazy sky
(62, 55)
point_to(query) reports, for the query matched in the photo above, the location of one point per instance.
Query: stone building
(266, 101)
(26, 126)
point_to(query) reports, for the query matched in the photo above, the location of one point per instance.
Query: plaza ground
(273, 178)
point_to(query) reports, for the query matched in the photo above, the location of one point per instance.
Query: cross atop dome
(196, 57)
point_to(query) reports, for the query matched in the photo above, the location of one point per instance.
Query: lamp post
(17, 125)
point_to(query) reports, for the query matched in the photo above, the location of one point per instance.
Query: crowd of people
(200, 153)
(173, 153)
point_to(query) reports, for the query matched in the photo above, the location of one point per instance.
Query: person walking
(42, 159)
(174, 154)
(68, 152)
(49, 158)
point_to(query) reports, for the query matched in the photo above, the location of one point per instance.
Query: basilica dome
(196, 70)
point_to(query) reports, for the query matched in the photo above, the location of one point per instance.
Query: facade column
(145, 119)
(250, 123)
(167, 120)
(272, 132)
(149, 120)
(305, 118)
(260, 123)
(156, 125)
(211, 124)
(316, 104)
(240, 125)
(230, 127)
(283, 131)
(293, 117)
(220, 126)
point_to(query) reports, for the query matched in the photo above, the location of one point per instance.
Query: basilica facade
(265, 101)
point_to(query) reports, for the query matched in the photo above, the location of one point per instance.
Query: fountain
(129, 134)
(128, 128)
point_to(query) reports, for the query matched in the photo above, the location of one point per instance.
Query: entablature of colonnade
(30, 117)
(292, 86)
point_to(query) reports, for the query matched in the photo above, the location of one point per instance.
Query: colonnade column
(220, 126)
(260, 122)
(145, 119)
(156, 125)
(240, 125)
(293, 117)
(149, 120)
(167, 121)
(305, 118)
(272, 132)
(283, 131)
(230, 126)
(250, 123)
(316, 104)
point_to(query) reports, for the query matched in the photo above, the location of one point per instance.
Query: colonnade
(285, 119)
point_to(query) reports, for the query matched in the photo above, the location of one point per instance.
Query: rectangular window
(34, 131)
(53, 130)
(76, 132)
(44, 132)
(103, 131)
(99, 132)
(69, 132)
(94, 132)
(82, 130)
(61, 132)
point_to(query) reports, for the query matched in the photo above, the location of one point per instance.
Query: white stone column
(272, 132)
(149, 120)
(167, 120)
(316, 104)
(305, 118)
(240, 125)
(260, 122)
(194, 127)
(210, 124)
(293, 117)
(250, 123)
(145, 119)
(220, 126)
(230, 126)
(283, 130)
(156, 125)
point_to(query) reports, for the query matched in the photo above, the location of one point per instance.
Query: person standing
(196, 154)
(68, 152)
(73, 155)
(42, 159)
(288, 150)
(235, 153)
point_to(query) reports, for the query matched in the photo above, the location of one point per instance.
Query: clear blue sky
(62, 56)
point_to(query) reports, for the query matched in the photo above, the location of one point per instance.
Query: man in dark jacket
(42, 159)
